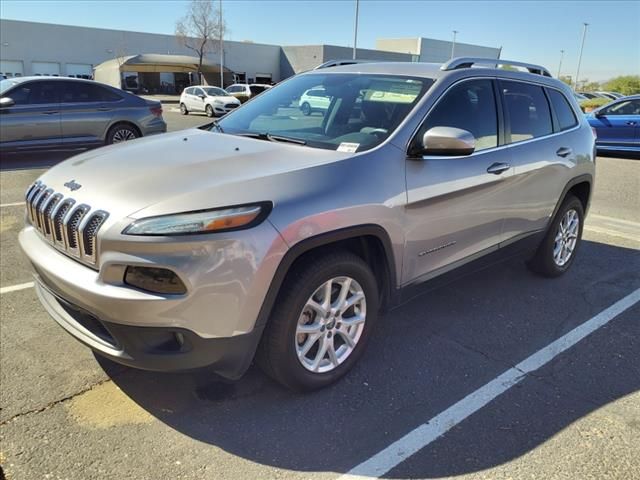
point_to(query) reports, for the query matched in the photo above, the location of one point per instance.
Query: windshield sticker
(395, 92)
(348, 147)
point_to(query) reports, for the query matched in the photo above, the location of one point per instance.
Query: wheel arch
(117, 122)
(371, 242)
(580, 186)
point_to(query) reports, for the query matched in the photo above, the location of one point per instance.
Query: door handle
(498, 168)
(564, 152)
(50, 112)
(631, 122)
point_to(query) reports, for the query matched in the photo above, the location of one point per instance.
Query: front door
(456, 205)
(34, 119)
(616, 124)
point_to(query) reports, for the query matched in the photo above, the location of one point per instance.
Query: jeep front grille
(69, 228)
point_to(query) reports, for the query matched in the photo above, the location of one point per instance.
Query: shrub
(593, 103)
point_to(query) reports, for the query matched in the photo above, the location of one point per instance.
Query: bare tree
(201, 30)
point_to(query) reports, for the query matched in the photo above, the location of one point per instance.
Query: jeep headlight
(202, 221)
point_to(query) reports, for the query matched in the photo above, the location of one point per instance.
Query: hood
(182, 171)
(224, 99)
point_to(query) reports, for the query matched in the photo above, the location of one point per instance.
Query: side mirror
(598, 113)
(447, 141)
(6, 102)
(202, 96)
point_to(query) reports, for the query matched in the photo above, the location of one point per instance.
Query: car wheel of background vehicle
(321, 323)
(209, 111)
(121, 132)
(183, 109)
(557, 250)
(305, 108)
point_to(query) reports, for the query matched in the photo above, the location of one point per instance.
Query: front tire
(305, 108)
(209, 111)
(321, 323)
(557, 251)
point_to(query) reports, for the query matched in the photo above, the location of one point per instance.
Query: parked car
(591, 95)
(617, 125)
(213, 101)
(244, 92)
(579, 97)
(265, 232)
(611, 95)
(314, 100)
(56, 112)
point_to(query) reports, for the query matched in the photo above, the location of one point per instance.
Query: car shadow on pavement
(425, 356)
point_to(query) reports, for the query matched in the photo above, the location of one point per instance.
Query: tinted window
(81, 92)
(256, 90)
(34, 93)
(470, 106)
(628, 107)
(564, 112)
(198, 91)
(527, 111)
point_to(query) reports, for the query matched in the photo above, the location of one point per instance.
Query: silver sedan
(50, 113)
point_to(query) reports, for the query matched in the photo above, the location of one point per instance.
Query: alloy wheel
(123, 135)
(566, 238)
(330, 324)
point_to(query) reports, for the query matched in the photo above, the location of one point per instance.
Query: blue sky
(529, 31)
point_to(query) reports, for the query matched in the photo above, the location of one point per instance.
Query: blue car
(617, 125)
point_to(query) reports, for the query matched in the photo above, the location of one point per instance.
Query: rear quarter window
(527, 110)
(564, 113)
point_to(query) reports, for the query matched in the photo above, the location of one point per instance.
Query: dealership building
(165, 66)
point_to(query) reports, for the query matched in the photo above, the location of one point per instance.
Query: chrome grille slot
(72, 225)
(69, 228)
(58, 217)
(89, 232)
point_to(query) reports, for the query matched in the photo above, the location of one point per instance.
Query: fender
(587, 177)
(327, 238)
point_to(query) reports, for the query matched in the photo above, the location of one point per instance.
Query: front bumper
(215, 323)
(151, 348)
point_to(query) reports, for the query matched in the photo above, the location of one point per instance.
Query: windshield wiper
(271, 137)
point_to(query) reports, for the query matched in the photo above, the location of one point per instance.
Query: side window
(629, 107)
(471, 106)
(232, 89)
(81, 92)
(34, 93)
(527, 111)
(564, 112)
(198, 92)
(188, 91)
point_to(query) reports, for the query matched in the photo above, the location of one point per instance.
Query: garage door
(45, 68)
(79, 70)
(11, 68)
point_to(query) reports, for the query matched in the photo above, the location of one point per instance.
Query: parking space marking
(14, 204)
(15, 288)
(417, 439)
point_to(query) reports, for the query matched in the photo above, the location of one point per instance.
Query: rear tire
(183, 109)
(343, 330)
(122, 132)
(558, 249)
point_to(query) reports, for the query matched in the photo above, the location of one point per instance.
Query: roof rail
(468, 62)
(337, 63)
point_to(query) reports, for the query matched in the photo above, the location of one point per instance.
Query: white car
(244, 92)
(213, 101)
(314, 100)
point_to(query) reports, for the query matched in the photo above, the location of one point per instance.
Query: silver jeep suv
(280, 236)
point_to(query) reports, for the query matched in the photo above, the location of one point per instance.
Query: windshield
(215, 92)
(6, 85)
(335, 111)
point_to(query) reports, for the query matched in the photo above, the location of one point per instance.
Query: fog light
(156, 280)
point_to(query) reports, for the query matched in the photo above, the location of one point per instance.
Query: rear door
(541, 159)
(86, 111)
(455, 205)
(617, 124)
(34, 120)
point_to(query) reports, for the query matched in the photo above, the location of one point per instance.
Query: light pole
(560, 66)
(584, 34)
(453, 44)
(355, 31)
(221, 46)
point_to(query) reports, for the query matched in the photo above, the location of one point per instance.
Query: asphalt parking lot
(67, 414)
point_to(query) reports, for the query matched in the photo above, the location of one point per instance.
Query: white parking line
(15, 288)
(15, 204)
(425, 434)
